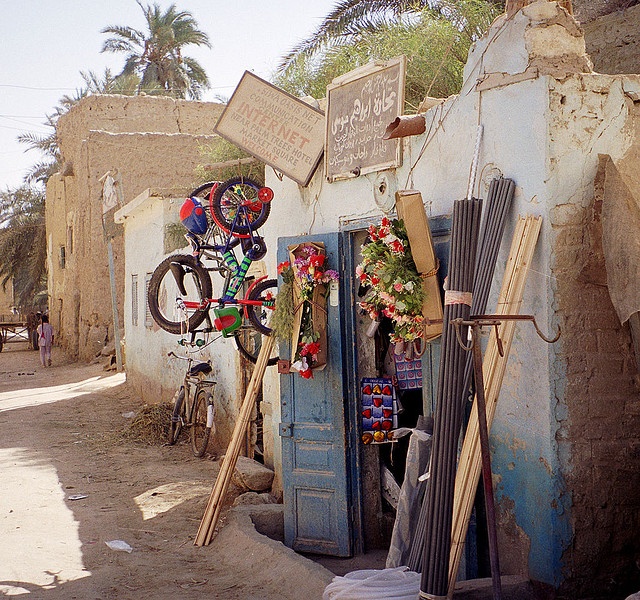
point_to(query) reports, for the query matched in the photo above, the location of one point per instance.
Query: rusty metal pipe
(405, 125)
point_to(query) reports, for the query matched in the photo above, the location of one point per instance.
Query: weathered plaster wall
(546, 119)
(612, 42)
(144, 142)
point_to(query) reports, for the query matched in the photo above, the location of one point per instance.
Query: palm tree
(23, 248)
(351, 19)
(156, 55)
(22, 210)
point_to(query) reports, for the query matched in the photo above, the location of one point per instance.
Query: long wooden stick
(521, 253)
(214, 506)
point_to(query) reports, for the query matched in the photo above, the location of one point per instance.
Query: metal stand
(475, 323)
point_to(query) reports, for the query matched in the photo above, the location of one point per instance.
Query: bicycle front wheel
(237, 200)
(202, 422)
(177, 416)
(176, 289)
(249, 342)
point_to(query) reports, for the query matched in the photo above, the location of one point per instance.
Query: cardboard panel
(411, 211)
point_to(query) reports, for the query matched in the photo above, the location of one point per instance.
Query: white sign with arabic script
(360, 105)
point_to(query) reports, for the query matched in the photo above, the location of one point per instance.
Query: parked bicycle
(180, 289)
(193, 405)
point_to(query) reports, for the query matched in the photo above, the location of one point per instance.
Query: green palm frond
(351, 19)
(435, 45)
(23, 243)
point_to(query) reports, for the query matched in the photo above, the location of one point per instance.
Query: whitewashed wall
(154, 375)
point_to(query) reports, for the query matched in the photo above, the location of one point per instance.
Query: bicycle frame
(185, 411)
(181, 290)
(191, 379)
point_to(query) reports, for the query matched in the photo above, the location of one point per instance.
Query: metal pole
(486, 463)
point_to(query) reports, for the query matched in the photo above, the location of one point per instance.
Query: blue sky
(46, 43)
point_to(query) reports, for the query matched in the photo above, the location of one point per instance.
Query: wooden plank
(214, 506)
(509, 302)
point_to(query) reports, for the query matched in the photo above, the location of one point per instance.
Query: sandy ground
(71, 483)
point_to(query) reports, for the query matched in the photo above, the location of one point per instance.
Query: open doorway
(380, 467)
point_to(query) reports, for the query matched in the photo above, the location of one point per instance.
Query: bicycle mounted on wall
(180, 288)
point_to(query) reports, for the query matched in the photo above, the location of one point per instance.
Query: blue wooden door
(312, 429)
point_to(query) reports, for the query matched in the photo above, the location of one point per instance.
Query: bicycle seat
(204, 368)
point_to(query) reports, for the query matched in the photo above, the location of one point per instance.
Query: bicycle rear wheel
(256, 321)
(202, 422)
(260, 315)
(177, 281)
(249, 343)
(177, 416)
(238, 197)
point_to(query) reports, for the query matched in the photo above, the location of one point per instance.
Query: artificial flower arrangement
(396, 290)
(301, 313)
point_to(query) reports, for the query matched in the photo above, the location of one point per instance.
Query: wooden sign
(275, 127)
(360, 106)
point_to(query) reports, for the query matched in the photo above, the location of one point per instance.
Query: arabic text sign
(358, 113)
(275, 127)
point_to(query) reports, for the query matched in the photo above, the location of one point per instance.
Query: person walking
(45, 341)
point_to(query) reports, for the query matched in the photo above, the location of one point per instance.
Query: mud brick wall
(599, 413)
(612, 42)
(150, 142)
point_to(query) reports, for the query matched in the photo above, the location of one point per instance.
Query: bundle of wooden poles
(496, 209)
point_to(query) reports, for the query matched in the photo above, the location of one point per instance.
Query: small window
(63, 257)
(70, 239)
(148, 319)
(134, 300)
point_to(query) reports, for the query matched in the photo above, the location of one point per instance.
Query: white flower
(389, 239)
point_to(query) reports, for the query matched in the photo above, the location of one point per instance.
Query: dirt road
(70, 484)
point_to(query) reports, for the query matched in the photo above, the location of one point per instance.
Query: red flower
(313, 348)
(316, 260)
(308, 374)
(283, 266)
(396, 246)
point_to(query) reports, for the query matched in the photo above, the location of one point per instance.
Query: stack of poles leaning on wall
(496, 209)
(443, 521)
(438, 501)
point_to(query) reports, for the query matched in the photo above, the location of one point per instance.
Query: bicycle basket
(193, 216)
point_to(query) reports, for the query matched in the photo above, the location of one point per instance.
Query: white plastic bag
(371, 584)
(119, 545)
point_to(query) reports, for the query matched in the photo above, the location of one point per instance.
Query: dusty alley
(71, 484)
